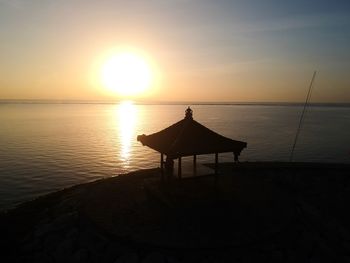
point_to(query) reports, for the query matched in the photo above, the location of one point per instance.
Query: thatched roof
(188, 137)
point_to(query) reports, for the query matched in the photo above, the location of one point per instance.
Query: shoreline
(273, 210)
(250, 165)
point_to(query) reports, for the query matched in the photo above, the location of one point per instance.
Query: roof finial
(189, 113)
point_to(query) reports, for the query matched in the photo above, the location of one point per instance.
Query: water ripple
(49, 147)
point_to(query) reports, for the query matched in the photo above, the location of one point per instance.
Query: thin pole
(216, 163)
(162, 165)
(302, 115)
(179, 171)
(194, 164)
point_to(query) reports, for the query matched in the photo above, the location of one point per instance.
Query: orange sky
(199, 51)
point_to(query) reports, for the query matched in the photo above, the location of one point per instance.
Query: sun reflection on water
(127, 117)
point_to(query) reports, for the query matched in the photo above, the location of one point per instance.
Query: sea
(45, 147)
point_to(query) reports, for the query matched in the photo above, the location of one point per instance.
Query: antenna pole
(302, 115)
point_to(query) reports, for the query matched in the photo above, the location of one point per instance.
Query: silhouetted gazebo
(189, 138)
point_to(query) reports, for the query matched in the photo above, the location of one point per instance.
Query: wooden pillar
(179, 172)
(216, 163)
(162, 165)
(195, 164)
(235, 157)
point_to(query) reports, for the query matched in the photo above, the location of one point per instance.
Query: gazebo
(189, 138)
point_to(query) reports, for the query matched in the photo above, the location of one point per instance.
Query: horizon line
(141, 102)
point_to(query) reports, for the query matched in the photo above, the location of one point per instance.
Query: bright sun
(126, 73)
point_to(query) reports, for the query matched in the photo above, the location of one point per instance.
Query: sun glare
(127, 74)
(127, 115)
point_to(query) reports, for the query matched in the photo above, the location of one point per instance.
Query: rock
(128, 258)
(171, 260)
(42, 258)
(65, 220)
(302, 254)
(193, 257)
(306, 240)
(315, 259)
(82, 255)
(346, 245)
(277, 256)
(73, 234)
(43, 230)
(51, 241)
(63, 251)
(33, 245)
(111, 252)
(154, 257)
(291, 256)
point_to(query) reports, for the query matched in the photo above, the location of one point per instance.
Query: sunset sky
(197, 50)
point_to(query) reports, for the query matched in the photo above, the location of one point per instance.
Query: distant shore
(273, 212)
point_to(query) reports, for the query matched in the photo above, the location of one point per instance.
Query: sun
(127, 74)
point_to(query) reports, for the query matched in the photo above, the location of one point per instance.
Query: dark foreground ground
(252, 212)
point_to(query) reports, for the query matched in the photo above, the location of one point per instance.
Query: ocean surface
(46, 147)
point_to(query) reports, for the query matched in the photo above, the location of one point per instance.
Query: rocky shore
(251, 212)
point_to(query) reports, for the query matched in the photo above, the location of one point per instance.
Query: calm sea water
(45, 147)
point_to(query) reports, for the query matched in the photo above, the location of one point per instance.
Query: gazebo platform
(187, 138)
(187, 169)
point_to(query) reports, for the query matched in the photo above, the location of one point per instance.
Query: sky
(200, 50)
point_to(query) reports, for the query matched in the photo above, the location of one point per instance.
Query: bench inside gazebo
(189, 138)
